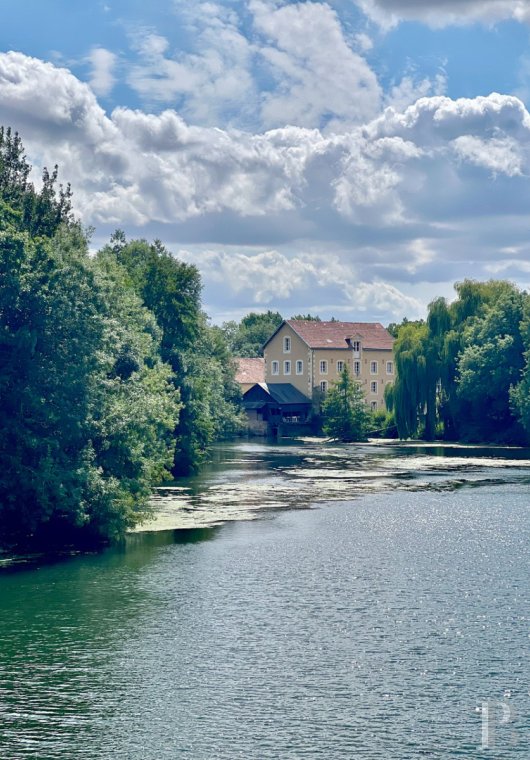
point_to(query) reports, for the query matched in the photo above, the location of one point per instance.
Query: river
(293, 601)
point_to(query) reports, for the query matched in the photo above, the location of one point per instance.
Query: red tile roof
(334, 334)
(250, 371)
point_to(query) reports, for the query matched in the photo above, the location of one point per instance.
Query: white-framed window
(356, 345)
(275, 368)
(373, 406)
(286, 345)
(323, 386)
(340, 366)
(287, 368)
(374, 368)
(390, 368)
(323, 367)
(373, 386)
(299, 367)
(357, 368)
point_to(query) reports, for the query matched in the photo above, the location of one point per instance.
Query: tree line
(111, 378)
(464, 373)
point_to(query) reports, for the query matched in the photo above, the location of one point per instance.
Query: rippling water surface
(374, 625)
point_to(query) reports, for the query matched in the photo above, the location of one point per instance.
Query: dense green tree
(248, 337)
(211, 399)
(345, 414)
(489, 365)
(520, 393)
(82, 438)
(202, 367)
(382, 424)
(394, 327)
(37, 212)
(455, 371)
(409, 394)
(87, 409)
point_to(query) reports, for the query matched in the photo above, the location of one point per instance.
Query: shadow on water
(136, 549)
(462, 450)
(136, 542)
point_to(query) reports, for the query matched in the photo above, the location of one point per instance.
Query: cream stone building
(311, 355)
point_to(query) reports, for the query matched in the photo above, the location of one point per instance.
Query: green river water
(300, 600)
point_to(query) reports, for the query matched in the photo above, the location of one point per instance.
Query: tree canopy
(307, 317)
(201, 363)
(36, 212)
(461, 374)
(344, 411)
(248, 337)
(111, 378)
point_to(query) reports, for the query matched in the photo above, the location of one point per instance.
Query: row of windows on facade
(299, 366)
(356, 345)
(374, 387)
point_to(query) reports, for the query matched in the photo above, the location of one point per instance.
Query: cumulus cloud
(276, 278)
(266, 276)
(316, 71)
(410, 89)
(102, 64)
(437, 13)
(297, 67)
(208, 84)
(500, 156)
(417, 194)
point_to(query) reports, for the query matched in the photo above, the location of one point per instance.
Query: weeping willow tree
(411, 397)
(455, 372)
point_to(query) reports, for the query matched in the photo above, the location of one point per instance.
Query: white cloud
(271, 277)
(265, 276)
(436, 120)
(437, 13)
(317, 73)
(410, 89)
(297, 67)
(364, 42)
(431, 193)
(499, 156)
(209, 83)
(501, 268)
(102, 64)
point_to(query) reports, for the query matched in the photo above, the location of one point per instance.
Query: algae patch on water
(250, 480)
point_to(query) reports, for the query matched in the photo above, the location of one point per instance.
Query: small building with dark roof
(272, 407)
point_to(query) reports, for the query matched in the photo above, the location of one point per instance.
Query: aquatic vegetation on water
(251, 479)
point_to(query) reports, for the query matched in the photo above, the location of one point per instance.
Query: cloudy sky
(350, 158)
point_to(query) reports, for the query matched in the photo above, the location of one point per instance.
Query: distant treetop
(39, 212)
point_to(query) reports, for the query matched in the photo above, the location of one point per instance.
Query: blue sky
(345, 157)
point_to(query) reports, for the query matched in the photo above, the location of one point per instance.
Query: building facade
(311, 355)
